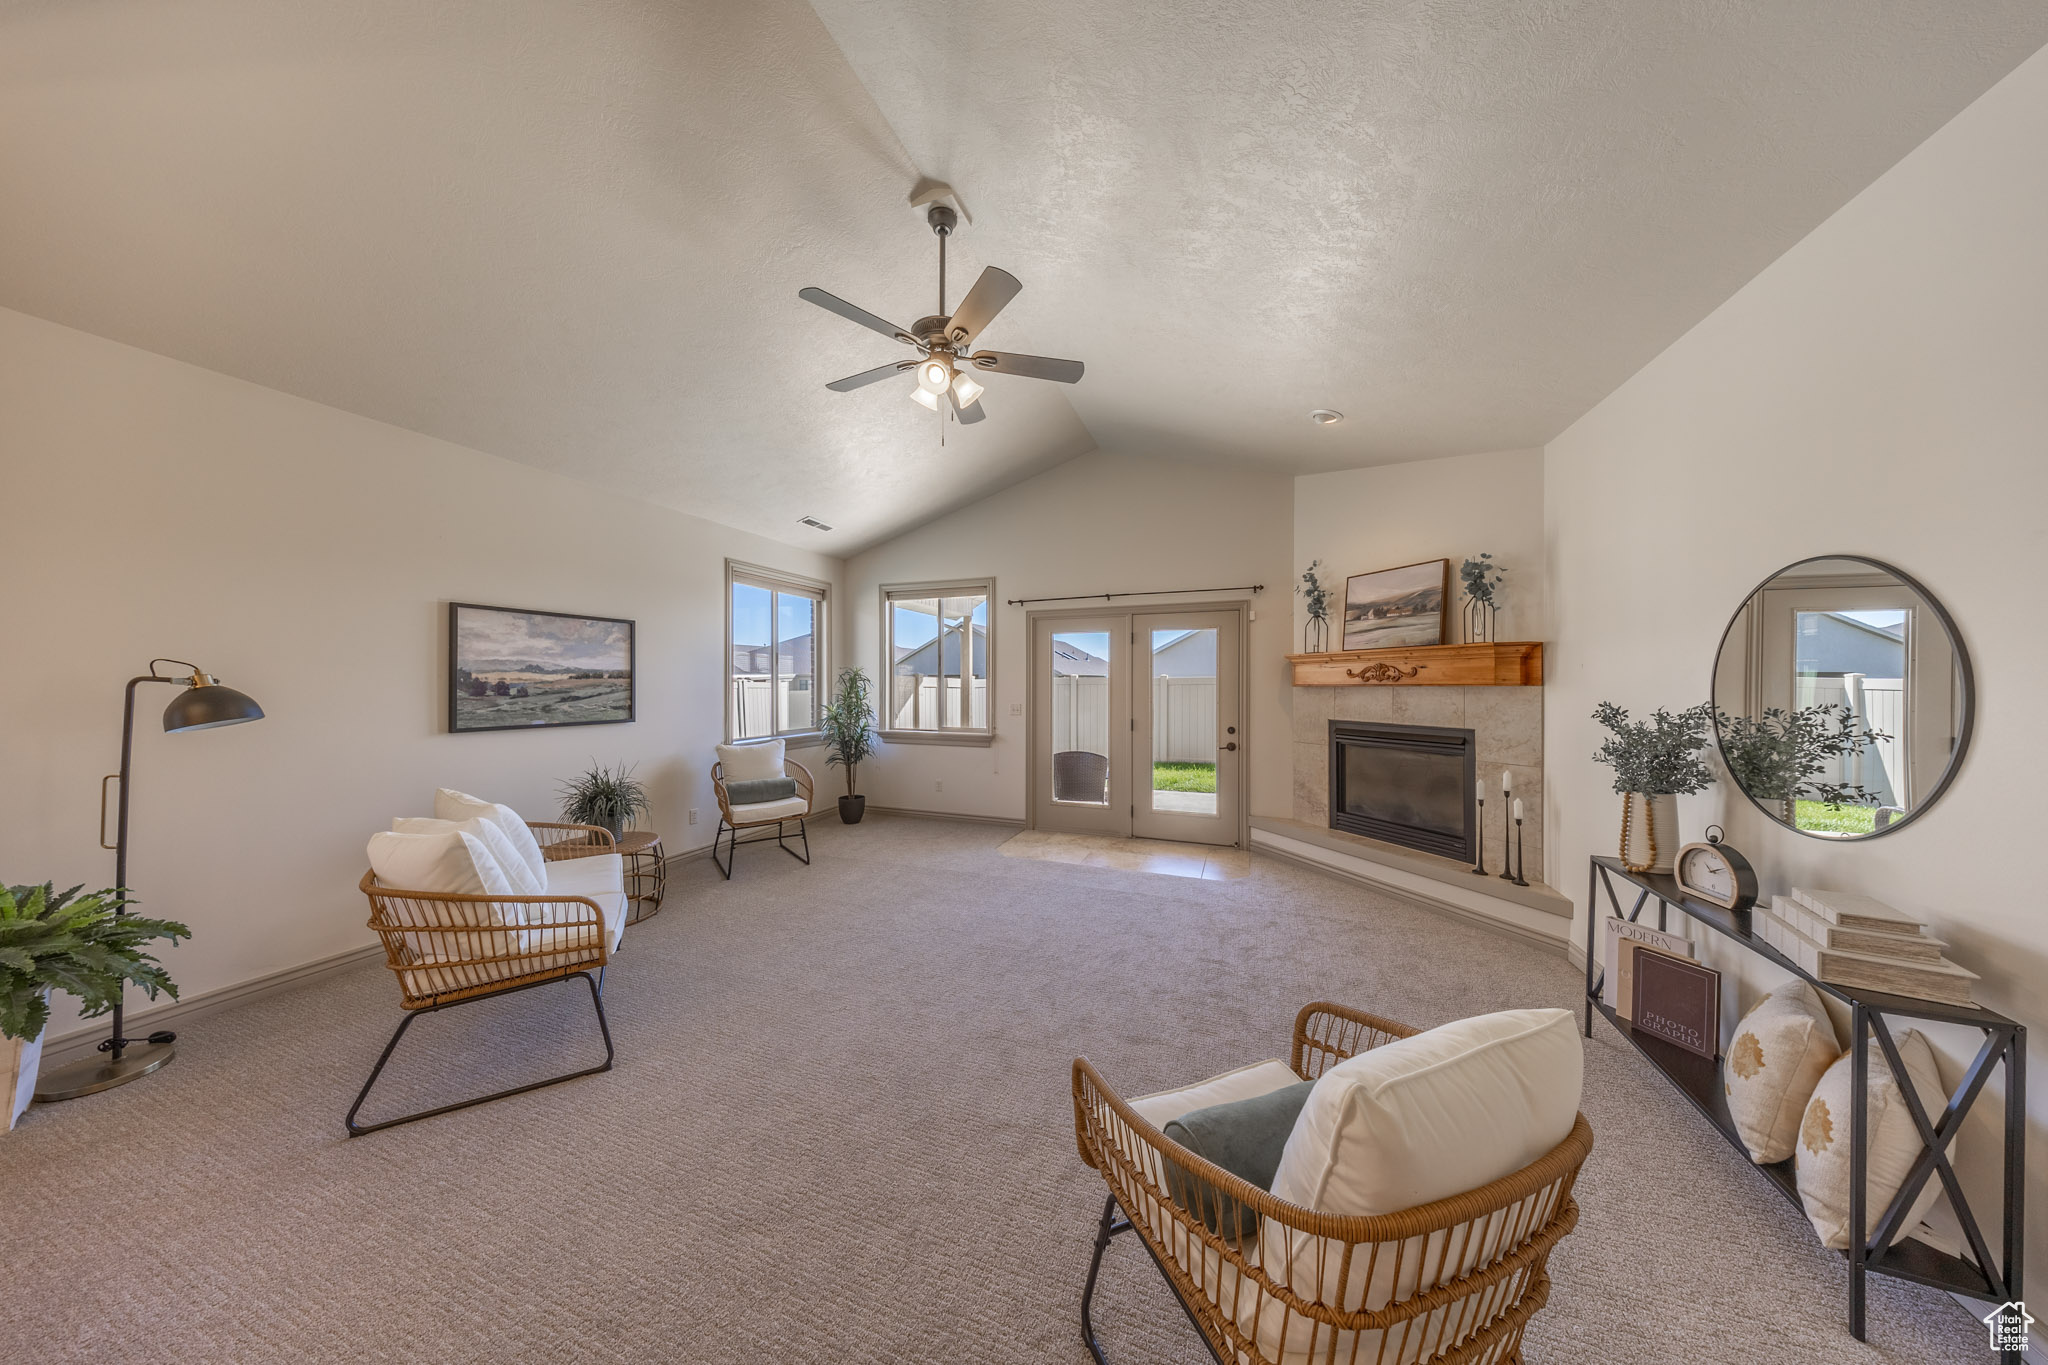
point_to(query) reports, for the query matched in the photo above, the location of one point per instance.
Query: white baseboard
(82, 1041)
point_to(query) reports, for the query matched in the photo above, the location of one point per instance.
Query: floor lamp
(203, 705)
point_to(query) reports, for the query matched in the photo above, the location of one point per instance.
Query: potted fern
(608, 798)
(1655, 762)
(849, 726)
(60, 940)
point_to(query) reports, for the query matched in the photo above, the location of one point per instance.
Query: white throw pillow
(450, 804)
(509, 859)
(446, 860)
(1781, 1049)
(1404, 1124)
(1893, 1141)
(750, 762)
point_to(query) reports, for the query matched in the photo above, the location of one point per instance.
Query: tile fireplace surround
(1507, 726)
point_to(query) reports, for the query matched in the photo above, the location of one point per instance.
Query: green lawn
(1825, 819)
(1184, 777)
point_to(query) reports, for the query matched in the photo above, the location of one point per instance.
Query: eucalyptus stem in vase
(1315, 632)
(1481, 579)
(1655, 762)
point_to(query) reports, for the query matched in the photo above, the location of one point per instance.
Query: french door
(1137, 727)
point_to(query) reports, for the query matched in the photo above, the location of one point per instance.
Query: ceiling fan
(944, 368)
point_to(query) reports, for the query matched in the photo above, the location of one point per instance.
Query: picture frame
(514, 668)
(1398, 608)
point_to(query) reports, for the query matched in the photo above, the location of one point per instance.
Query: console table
(1879, 1248)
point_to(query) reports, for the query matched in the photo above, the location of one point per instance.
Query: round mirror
(1842, 698)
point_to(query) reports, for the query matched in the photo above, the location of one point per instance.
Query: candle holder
(1520, 866)
(1507, 871)
(1479, 868)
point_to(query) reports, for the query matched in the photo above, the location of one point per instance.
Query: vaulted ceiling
(572, 235)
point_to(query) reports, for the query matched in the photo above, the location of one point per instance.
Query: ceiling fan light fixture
(966, 390)
(925, 397)
(933, 375)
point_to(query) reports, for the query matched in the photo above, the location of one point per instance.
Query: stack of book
(1861, 944)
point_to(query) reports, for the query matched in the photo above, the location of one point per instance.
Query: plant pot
(1649, 831)
(19, 1058)
(851, 808)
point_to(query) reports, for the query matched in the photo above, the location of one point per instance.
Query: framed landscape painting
(1397, 608)
(516, 670)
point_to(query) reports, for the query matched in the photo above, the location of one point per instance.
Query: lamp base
(95, 1074)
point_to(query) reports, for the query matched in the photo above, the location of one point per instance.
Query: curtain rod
(1106, 596)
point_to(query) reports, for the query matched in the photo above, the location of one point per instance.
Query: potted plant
(1315, 634)
(610, 799)
(1655, 762)
(849, 726)
(1780, 755)
(52, 940)
(1481, 578)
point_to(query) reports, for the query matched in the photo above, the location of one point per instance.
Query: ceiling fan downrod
(943, 221)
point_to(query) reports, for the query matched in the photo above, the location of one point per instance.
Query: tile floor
(1132, 855)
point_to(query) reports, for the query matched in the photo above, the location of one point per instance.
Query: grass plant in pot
(849, 725)
(609, 798)
(60, 940)
(1655, 762)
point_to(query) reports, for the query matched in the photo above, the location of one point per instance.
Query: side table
(646, 872)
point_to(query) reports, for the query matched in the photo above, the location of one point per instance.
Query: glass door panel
(1081, 709)
(1188, 739)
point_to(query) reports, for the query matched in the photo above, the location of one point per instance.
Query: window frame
(985, 588)
(778, 583)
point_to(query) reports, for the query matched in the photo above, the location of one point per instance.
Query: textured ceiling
(572, 235)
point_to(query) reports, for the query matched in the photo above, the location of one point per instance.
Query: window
(775, 634)
(938, 654)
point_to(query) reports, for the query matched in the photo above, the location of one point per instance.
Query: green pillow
(759, 790)
(1244, 1137)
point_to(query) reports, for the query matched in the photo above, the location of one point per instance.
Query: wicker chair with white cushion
(758, 786)
(1413, 1210)
(476, 903)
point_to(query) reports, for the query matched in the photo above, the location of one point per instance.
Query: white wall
(1100, 523)
(1883, 390)
(1359, 520)
(306, 556)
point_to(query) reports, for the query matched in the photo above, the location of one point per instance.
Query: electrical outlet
(1016, 708)
(939, 785)
(693, 815)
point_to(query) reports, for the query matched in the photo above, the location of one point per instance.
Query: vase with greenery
(1315, 634)
(1655, 762)
(61, 940)
(1782, 757)
(607, 797)
(848, 723)
(1481, 579)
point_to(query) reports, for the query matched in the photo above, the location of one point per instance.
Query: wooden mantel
(1516, 663)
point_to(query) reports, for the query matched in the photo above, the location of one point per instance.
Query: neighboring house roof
(757, 658)
(1072, 661)
(1833, 644)
(925, 661)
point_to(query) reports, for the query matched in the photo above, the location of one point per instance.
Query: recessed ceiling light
(1324, 417)
(813, 523)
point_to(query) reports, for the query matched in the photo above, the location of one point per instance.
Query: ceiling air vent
(813, 523)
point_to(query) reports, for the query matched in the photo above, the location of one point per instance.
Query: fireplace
(1406, 784)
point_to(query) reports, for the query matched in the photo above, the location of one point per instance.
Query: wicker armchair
(1452, 1281)
(732, 819)
(447, 948)
(1079, 775)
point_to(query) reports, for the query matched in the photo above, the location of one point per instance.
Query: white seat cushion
(508, 857)
(450, 804)
(448, 860)
(788, 808)
(601, 878)
(1260, 1078)
(750, 762)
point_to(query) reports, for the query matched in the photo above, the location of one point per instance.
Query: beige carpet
(839, 1131)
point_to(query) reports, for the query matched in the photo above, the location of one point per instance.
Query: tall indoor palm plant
(849, 726)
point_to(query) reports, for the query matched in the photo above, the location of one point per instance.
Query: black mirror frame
(1964, 730)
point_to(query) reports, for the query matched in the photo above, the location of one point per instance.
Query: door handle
(1228, 748)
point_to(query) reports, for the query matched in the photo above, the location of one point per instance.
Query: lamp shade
(209, 706)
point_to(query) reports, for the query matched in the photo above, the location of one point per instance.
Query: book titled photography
(1678, 1001)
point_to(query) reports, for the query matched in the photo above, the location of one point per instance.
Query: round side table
(646, 872)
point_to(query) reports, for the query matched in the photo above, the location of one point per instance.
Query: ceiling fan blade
(832, 303)
(866, 377)
(1029, 366)
(969, 414)
(990, 294)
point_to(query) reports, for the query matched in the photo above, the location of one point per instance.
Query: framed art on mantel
(1397, 608)
(520, 670)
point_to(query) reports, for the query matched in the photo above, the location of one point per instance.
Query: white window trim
(778, 580)
(940, 587)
